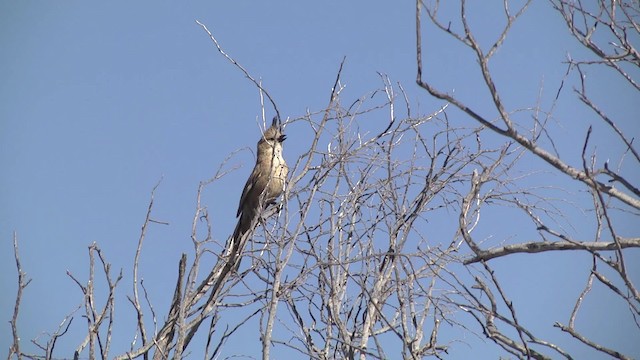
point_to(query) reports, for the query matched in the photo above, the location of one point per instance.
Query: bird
(265, 183)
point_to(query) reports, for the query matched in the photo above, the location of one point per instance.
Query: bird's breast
(280, 171)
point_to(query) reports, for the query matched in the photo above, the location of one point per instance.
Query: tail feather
(241, 234)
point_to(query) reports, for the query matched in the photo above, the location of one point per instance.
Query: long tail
(241, 234)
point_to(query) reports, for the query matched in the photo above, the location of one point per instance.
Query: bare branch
(244, 71)
(538, 247)
(23, 282)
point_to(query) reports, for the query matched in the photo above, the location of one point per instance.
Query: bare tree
(374, 250)
(606, 28)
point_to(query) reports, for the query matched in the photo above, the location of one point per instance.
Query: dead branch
(23, 282)
(538, 247)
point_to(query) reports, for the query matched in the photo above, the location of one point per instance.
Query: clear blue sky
(98, 101)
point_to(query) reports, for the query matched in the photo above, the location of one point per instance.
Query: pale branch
(584, 340)
(94, 316)
(309, 156)
(49, 347)
(283, 255)
(236, 64)
(511, 307)
(628, 142)
(214, 283)
(22, 284)
(135, 301)
(510, 131)
(176, 311)
(537, 247)
(492, 330)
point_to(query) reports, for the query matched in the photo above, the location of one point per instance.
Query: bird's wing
(248, 187)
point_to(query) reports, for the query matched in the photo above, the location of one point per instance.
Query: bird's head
(274, 133)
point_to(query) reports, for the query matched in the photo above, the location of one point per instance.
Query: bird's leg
(273, 207)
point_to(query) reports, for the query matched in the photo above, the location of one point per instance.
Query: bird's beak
(282, 138)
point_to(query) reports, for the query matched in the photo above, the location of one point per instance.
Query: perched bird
(265, 183)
